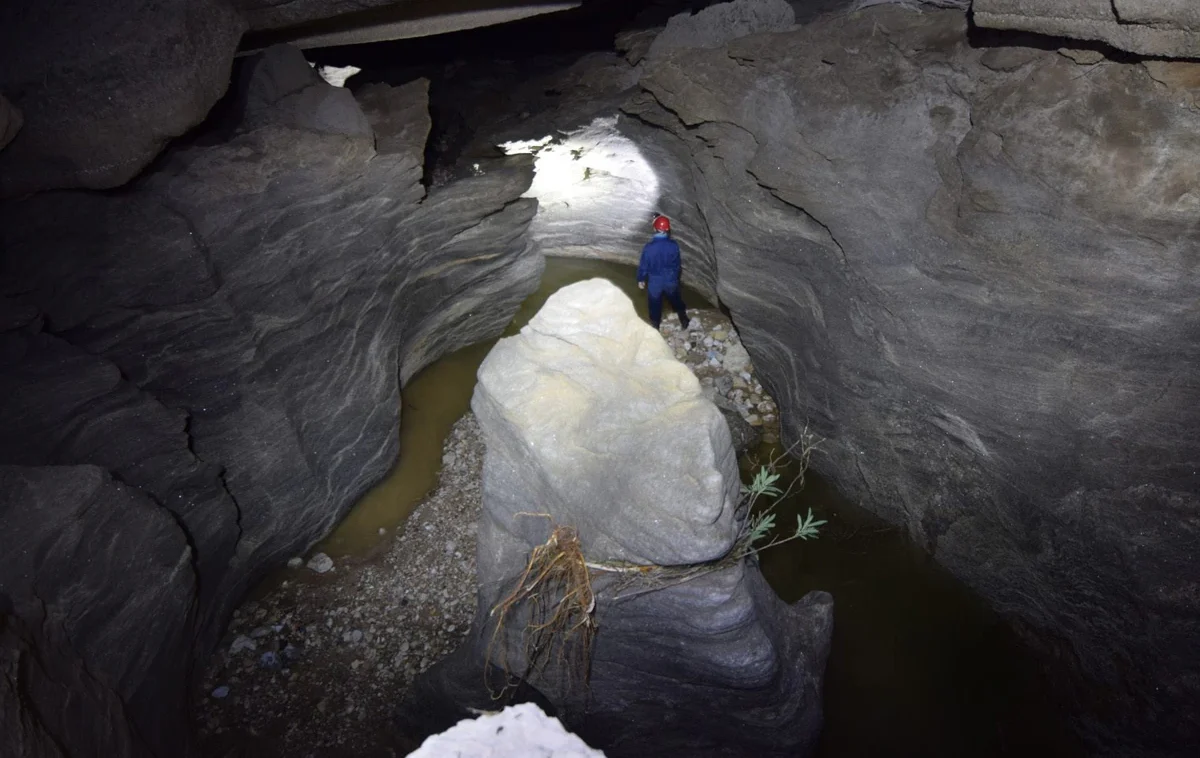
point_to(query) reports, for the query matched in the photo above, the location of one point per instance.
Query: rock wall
(974, 271)
(1162, 28)
(104, 86)
(200, 377)
(588, 418)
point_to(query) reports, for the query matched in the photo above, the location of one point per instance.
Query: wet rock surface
(995, 335)
(224, 337)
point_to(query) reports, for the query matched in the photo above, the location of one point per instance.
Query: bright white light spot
(596, 191)
(336, 75)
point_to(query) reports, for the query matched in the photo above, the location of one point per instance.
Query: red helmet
(662, 224)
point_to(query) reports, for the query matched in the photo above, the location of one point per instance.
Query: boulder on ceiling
(1167, 28)
(327, 23)
(103, 87)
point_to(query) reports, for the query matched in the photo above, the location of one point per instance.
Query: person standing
(659, 273)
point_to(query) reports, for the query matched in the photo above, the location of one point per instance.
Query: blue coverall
(660, 268)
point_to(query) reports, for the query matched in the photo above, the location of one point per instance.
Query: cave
(273, 279)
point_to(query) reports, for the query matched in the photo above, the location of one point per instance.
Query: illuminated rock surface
(518, 730)
(588, 418)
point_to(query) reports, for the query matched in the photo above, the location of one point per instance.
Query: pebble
(320, 563)
(295, 563)
(242, 643)
(222, 692)
(270, 660)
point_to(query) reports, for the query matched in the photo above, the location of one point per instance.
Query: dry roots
(556, 589)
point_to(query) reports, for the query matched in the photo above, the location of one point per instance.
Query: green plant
(760, 522)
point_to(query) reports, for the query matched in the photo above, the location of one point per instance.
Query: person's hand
(641, 285)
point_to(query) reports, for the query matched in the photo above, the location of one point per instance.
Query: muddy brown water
(919, 665)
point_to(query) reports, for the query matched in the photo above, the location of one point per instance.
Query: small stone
(320, 563)
(259, 633)
(382, 531)
(222, 692)
(449, 459)
(719, 335)
(270, 661)
(737, 360)
(450, 547)
(242, 642)
(295, 563)
(356, 636)
(754, 420)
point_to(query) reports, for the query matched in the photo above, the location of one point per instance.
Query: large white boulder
(518, 730)
(589, 417)
(590, 420)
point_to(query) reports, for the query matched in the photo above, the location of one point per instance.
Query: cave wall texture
(1167, 28)
(973, 269)
(200, 377)
(975, 272)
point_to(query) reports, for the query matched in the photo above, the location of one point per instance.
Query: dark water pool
(919, 665)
